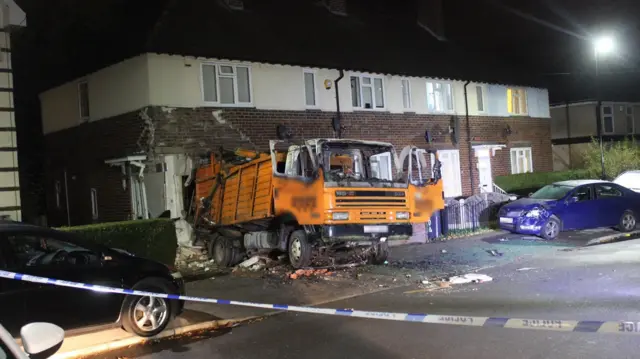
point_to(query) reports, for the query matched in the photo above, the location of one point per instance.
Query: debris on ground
(494, 253)
(524, 269)
(193, 260)
(443, 251)
(503, 240)
(470, 278)
(309, 272)
(425, 282)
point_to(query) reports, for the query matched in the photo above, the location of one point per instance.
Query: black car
(54, 254)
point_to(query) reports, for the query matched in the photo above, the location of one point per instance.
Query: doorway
(484, 171)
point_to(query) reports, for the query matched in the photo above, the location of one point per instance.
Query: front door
(451, 179)
(484, 172)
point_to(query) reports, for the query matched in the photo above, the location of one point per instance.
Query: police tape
(585, 326)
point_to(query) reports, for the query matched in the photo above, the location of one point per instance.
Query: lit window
(607, 119)
(83, 100)
(310, 88)
(517, 101)
(439, 97)
(521, 160)
(226, 84)
(367, 92)
(406, 94)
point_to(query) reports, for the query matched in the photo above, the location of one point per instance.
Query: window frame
(597, 196)
(95, 214)
(514, 152)
(84, 118)
(483, 97)
(409, 96)
(444, 83)
(373, 77)
(315, 88)
(510, 95)
(611, 116)
(217, 66)
(626, 118)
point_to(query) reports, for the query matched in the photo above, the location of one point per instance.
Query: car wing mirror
(41, 340)
(530, 194)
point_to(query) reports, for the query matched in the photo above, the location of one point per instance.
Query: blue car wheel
(551, 229)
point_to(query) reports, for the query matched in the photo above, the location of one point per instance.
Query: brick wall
(199, 130)
(82, 151)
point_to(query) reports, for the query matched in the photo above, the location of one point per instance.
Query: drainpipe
(66, 197)
(466, 117)
(569, 134)
(338, 102)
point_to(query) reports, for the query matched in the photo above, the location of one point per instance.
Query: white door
(381, 166)
(484, 173)
(451, 179)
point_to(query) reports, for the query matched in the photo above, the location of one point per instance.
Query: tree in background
(619, 156)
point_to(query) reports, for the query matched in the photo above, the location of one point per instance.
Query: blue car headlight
(534, 213)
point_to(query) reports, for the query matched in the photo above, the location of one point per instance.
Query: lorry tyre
(222, 252)
(299, 249)
(380, 253)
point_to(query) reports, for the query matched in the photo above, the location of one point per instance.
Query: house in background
(574, 125)
(11, 17)
(121, 140)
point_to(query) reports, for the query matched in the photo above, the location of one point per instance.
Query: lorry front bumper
(366, 232)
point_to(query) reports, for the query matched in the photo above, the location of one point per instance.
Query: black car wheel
(551, 229)
(627, 222)
(147, 316)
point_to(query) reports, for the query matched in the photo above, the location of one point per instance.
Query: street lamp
(601, 45)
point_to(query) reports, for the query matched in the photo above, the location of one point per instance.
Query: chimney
(336, 7)
(431, 17)
(234, 4)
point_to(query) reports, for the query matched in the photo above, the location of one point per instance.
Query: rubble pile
(193, 260)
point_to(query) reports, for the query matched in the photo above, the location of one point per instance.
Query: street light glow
(603, 44)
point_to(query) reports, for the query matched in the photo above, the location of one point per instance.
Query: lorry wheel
(299, 249)
(222, 251)
(380, 253)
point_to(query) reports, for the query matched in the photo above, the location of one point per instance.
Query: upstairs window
(439, 97)
(406, 94)
(629, 118)
(224, 84)
(309, 88)
(607, 119)
(83, 100)
(367, 92)
(517, 101)
(480, 98)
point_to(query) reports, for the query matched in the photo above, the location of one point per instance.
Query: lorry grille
(394, 199)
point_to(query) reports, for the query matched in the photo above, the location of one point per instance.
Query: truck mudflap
(366, 233)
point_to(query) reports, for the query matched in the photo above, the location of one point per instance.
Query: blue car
(572, 205)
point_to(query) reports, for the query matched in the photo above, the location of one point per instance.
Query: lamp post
(601, 45)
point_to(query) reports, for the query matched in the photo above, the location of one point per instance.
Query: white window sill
(369, 109)
(217, 104)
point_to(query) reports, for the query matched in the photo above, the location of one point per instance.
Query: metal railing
(469, 214)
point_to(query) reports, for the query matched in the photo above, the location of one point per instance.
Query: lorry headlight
(340, 216)
(402, 215)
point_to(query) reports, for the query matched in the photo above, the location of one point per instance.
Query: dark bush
(154, 238)
(524, 183)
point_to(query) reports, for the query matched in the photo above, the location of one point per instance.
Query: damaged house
(123, 134)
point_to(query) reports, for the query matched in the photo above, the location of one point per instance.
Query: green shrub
(154, 238)
(619, 156)
(525, 183)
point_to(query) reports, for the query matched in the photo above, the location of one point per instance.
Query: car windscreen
(552, 191)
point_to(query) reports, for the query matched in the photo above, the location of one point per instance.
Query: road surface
(595, 283)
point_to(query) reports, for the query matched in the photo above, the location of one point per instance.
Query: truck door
(298, 187)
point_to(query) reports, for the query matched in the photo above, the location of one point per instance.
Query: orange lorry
(314, 199)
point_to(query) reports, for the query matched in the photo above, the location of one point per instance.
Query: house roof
(294, 32)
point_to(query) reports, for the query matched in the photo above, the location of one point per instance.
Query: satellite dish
(283, 132)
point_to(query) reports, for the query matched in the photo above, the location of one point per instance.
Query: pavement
(393, 287)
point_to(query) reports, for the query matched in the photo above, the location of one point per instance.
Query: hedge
(153, 238)
(525, 183)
